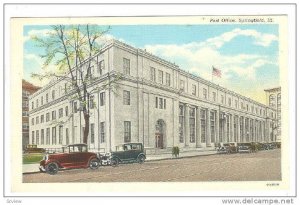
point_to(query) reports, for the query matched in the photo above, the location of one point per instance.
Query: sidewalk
(33, 168)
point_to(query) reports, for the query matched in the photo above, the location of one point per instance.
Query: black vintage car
(227, 148)
(246, 147)
(128, 153)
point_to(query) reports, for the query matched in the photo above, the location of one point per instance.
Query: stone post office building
(156, 103)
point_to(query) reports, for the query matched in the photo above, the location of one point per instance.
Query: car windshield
(126, 147)
(78, 148)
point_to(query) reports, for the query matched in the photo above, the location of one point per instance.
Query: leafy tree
(69, 48)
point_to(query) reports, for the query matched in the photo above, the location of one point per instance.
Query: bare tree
(71, 49)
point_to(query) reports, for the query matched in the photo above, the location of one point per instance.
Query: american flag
(216, 72)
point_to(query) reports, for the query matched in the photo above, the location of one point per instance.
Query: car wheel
(141, 159)
(52, 168)
(94, 164)
(114, 162)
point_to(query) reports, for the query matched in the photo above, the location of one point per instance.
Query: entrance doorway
(159, 134)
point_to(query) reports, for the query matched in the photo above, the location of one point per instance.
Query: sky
(246, 55)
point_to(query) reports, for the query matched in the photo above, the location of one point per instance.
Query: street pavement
(260, 166)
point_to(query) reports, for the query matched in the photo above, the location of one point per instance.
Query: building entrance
(159, 134)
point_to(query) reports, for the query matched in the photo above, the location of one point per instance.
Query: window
(66, 88)
(53, 94)
(228, 127)
(53, 115)
(47, 117)
(42, 136)
(102, 98)
(168, 79)
(127, 131)
(47, 98)
(247, 107)
(60, 113)
(92, 133)
(37, 137)
(203, 125)
(67, 110)
(194, 89)
(236, 103)
(152, 74)
(235, 127)
(92, 102)
(48, 136)
(32, 121)
(60, 135)
(91, 71)
(37, 102)
(126, 97)
(247, 129)
(25, 114)
(53, 135)
(160, 77)
(101, 67)
(32, 105)
(126, 66)
(25, 103)
(222, 99)
(67, 136)
(160, 103)
(75, 109)
(229, 102)
(192, 124)
(182, 85)
(42, 100)
(214, 96)
(32, 138)
(251, 131)
(252, 109)
(212, 125)
(42, 118)
(181, 123)
(37, 120)
(260, 111)
(102, 132)
(272, 101)
(25, 126)
(242, 129)
(242, 105)
(204, 93)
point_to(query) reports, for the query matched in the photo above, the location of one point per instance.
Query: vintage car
(72, 156)
(245, 147)
(269, 146)
(32, 148)
(128, 153)
(227, 148)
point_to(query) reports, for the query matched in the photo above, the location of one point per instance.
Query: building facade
(27, 89)
(273, 99)
(156, 103)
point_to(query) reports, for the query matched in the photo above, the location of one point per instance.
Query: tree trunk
(87, 127)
